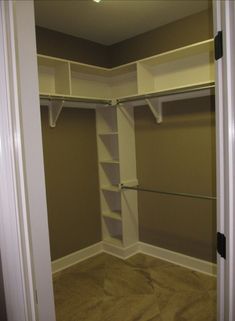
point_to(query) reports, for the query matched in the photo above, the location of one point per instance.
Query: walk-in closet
(127, 95)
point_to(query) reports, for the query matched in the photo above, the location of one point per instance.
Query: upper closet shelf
(184, 69)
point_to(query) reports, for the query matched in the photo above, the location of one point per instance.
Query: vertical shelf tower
(117, 165)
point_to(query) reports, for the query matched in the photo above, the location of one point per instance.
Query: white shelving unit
(54, 76)
(117, 164)
(188, 66)
(109, 174)
(116, 91)
(184, 67)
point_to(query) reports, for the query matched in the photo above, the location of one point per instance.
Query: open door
(224, 29)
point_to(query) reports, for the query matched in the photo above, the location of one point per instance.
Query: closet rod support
(54, 108)
(156, 109)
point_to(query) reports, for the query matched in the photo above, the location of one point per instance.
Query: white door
(24, 241)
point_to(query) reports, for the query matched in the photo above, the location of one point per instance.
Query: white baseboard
(76, 257)
(139, 247)
(179, 259)
(122, 253)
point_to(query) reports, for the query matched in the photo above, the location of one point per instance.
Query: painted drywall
(195, 28)
(57, 44)
(3, 316)
(179, 156)
(71, 171)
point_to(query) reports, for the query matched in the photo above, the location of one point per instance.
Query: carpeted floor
(141, 288)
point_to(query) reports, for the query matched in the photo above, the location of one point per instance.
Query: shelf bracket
(113, 103)
(156, 109)
(55, 107)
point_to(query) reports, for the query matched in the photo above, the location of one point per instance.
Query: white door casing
(224, 20)
(24, 237)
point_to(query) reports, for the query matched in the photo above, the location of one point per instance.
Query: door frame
(24, 237)
(224, 20)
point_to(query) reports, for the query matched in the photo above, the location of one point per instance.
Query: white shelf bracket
(114, 103)
(55, 107)
(156, 109)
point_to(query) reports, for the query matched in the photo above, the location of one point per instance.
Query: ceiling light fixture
(97, 1)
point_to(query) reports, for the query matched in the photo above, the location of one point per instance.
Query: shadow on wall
(3, 316)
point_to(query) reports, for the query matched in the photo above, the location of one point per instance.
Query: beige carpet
(142, 288)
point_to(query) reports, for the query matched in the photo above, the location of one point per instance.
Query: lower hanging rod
(140, 189)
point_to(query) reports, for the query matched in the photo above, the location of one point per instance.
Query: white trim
(93, 250)
(120, 252)
(24, 237)
(220, 158)
(227, 12)
(186, 261)
(14, 226)
(76, 257)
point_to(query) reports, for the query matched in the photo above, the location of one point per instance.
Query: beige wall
(178, 155)
(57, 44)
(70, 156)
(195, 28)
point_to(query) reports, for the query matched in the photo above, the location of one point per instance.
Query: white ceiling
(111, 21)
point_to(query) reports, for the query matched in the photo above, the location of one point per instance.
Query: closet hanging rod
(140, 189)
(76, 99)
(167, 93)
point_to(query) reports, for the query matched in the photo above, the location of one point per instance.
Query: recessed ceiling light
(97, 1)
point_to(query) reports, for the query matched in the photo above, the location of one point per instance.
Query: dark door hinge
(218, 43)
(221, 244)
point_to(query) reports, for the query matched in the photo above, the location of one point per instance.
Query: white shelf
(109, 161)
(54, 76)
(117, 241)
(177, 68)
(89, 81)
(113, 215)
(193, 64)
(108, 133)
(112, 229)
(110, 188)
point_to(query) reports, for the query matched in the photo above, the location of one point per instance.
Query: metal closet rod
(140, 189)
(167, 93)
(131, 98)
(74, 99)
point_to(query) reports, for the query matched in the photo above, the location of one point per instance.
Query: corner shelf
(192, 64)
